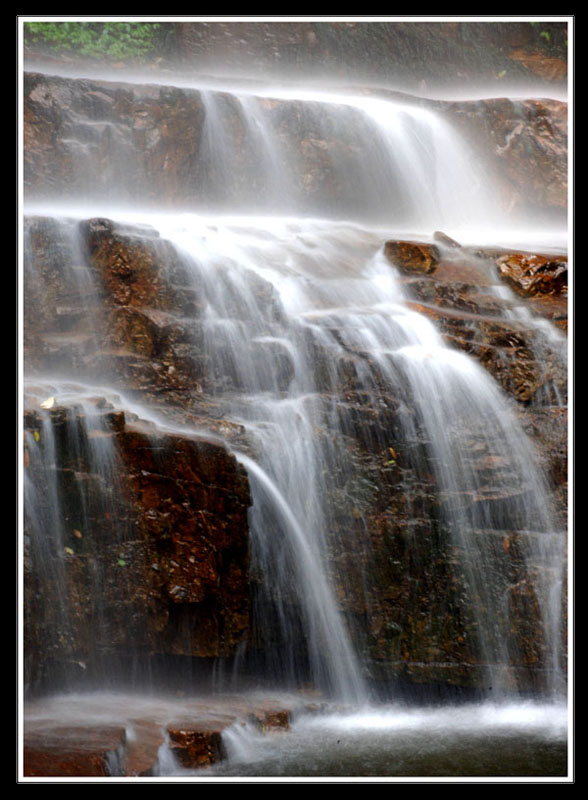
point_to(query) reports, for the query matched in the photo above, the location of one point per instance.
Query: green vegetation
(105, 40)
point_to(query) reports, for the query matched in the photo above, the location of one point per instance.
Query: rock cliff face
(151, 556)
(141, 534)
(419, 618)
(525, 143)
(152, 142)
(153, 545)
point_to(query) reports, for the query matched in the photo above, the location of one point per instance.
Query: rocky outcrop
(72, 752)
(140, 538)
(142, 334)
(164, 537)
(416, 613)
(85, 137)
(412, 257)
(532, 275)
(415, 619)
(524, 144)
(153, 526)
(150, 134)
(191, 732)
(461, 293)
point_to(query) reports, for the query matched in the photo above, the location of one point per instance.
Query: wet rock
(132, 747)
(550, 68)
(276, 719)
(526, 143)
(112, 301)
(156, 133)
(164, 541)
(412, 256)
(132, 269)
(462, 297)
(534, 275)
(416, 52)
(414, 620)
(196, 745)
(167, 541)
(141, 748)
(73, 752)
(155, 137)
(446, 240)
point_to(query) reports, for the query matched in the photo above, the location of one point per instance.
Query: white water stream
(334, 293)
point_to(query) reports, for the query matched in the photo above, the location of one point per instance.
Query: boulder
(196, 745)
(532, 275)
(412, 257)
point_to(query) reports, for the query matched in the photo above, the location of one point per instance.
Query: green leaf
(121, 562)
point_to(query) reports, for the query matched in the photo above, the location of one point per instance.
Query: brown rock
(279, 719)
(72, 752)
(412, 257)
(549, 68)
(197, 745)
(525, 142)
(141, 749)
(155, 132)
(533, 274)
(132, 269)
(167, 548)
(446, 240)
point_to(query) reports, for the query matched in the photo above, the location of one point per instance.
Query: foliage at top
(105, 40)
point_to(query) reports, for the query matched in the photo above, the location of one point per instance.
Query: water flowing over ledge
(257, 438)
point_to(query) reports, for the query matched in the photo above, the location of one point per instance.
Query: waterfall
(299, 433)
(302, 320)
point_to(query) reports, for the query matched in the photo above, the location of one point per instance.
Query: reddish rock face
(550, 68)
(412, 256)
(158, 563)
(156, 136)
(124, 321)
(192, 729)
(72, 752)
(457, 294)
(169, 547)
(196, 745)
(150, 141)
(525, 145)
(166, 535)
(532, 275)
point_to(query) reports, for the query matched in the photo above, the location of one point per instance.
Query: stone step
(53, 749)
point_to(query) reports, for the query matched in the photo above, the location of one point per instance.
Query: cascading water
(290, 307)
(363, 312)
